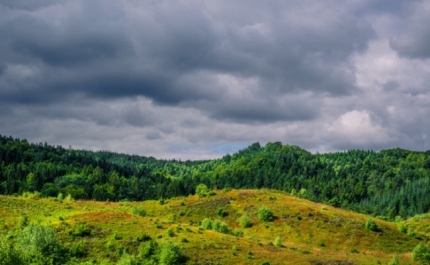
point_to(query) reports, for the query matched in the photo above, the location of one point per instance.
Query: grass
(309, 233)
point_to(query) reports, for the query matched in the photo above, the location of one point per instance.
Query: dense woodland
(388, 183)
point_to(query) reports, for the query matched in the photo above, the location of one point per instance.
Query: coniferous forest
(386, 184)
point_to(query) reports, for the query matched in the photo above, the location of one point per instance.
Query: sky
(197, 79)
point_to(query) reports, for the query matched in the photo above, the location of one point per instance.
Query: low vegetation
(47, 231)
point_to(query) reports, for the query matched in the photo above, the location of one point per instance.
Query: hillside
(387, 184)
(309, 233)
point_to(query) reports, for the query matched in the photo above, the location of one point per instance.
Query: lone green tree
(202, 190)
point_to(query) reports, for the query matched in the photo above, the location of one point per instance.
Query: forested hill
(388, 183)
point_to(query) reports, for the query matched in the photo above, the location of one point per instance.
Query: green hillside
(225, 227)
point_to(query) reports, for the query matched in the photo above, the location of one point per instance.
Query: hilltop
(386, 184)
(300, 232)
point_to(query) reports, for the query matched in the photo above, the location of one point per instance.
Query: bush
(207, 224)
(221, 227)
(147, 249)
(38, 244)
(23, 220)
(264, 214)
(278, 242)
(421, 254)
(78, 250)
(127, 259)
(237, 232)
(138, 211)
(402, 228)
(202, 190)
(170, 232)
(82, 230)
(10, 255)
(244, 221)
(371, 225)
(143, 237)
(170, 254)
(221, 212)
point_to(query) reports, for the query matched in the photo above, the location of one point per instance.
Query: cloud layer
(198, 79)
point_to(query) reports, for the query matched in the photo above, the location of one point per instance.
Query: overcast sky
(198, 79)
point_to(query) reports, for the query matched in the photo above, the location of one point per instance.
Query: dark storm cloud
(149, 75)
(132, 49)
(415, 41)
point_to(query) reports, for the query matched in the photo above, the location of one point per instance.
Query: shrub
(147, 249)
(244, 221)
(207, 224)
(402, 228)
(237, 232)
(170, 232)
(143, 237)
(78, 250)
(170, 254)
(10, 255)
(354, 250)
(82, 230)
(127, 259)
(38, 243)
(278, 242)
(221, 227)
(421, 254)
(202, 190)
(23, 220)
(264, 214)
(411, 232)
(221, 212)
(138, 211)
(371, 225)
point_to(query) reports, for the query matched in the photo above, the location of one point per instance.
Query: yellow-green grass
(310, 233)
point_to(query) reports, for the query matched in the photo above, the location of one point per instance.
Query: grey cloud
(169, 73)
(116, 53)
(415, 40)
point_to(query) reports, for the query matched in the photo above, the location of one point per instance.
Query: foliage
(138, 211)
(127, 259)
(421, 254)
(215, 225)
(9, 254)
(244, 221)
(394, 260)
(147, 249)
(170, 254)
(371, 225)
(207, 224)
(202, 190)
(265, 214)
(388, 183)
(278, 242)
(38, 243)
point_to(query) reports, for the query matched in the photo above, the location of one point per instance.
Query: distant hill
(387, 184)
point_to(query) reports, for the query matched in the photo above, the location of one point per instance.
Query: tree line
(387, 183)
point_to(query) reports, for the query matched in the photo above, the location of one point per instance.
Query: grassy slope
(310, 232)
